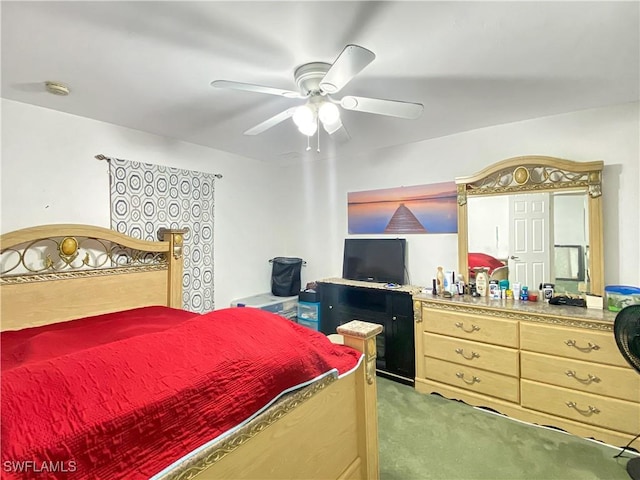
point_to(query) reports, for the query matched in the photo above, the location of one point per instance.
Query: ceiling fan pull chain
(318, 124)
(308, 143)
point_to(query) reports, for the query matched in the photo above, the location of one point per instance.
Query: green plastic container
(619, 296)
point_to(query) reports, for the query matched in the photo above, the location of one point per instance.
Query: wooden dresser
(550, 365)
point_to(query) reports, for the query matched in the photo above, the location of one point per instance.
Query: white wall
(50, 175)
(611, 134)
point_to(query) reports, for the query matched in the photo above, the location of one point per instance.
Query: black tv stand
(344, 300)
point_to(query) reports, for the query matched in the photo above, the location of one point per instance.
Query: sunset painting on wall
(417, 209)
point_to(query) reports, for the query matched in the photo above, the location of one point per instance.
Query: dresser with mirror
(541, 219)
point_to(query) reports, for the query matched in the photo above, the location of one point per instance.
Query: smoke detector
(56, 88)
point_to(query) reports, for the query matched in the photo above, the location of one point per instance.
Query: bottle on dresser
(515, 287)
(494, 289)
(440, 280)
(450, 282)
(482, 282)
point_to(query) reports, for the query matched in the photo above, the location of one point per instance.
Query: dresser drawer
(596, 378)
(474, 354)
(474, 379)
(471, 327)
(606, 412)
(581, 344)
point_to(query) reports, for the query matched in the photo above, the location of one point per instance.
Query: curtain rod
(102, 157)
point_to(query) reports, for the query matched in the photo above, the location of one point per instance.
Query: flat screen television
(374, 259)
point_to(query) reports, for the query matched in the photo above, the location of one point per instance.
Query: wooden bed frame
(54, 273)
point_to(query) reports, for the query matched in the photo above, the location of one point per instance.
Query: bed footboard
(328, 430)
(362, 337)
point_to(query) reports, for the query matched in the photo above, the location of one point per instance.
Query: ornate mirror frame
(538, 174)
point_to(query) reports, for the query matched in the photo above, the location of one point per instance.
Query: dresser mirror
(534, 220)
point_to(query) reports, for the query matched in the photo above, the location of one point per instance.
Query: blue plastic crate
(308, 324)
(309, 311)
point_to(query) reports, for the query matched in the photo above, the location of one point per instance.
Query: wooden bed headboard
(54, 273)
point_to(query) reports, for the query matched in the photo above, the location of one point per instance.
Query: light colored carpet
(430, 437)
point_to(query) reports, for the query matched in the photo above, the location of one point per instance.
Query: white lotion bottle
(482, 282)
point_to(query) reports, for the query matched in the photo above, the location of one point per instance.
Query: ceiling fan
(317, 82)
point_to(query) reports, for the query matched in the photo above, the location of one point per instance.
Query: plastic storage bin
(619, 296)
(311, 325)
(284, 306)
(309, 314)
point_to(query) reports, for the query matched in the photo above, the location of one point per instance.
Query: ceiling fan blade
(249, 87)
(393, 108)
(349, 63)
(271, 122)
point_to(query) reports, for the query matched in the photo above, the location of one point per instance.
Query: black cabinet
(393, 310)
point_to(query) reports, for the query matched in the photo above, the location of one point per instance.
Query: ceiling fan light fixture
(304, 116)
(309, 129)
(328, 113)
(333, 127)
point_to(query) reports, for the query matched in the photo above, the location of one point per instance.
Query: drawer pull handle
(590, 378)
(590, 346)
(474, 328)
(586, 413)
(473, 380)
(473, 355)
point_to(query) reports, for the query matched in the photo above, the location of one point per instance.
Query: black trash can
(285, 276)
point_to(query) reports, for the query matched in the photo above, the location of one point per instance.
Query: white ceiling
(148, 65)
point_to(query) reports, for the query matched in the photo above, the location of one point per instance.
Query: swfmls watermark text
(30, 466)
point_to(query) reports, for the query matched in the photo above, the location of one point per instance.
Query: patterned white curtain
(146, 197)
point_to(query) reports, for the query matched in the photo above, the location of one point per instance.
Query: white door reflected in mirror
(530, 239)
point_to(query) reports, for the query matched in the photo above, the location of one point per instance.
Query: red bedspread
(35, 344)
(120, 405)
